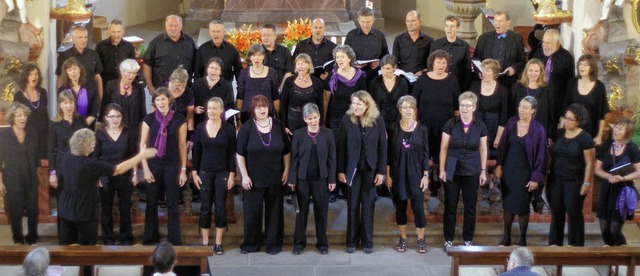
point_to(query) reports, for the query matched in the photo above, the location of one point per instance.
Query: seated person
(36, 262)
(520, 262)
(163, 259)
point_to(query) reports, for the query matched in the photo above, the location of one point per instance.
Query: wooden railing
(547, 255)
(89, 255)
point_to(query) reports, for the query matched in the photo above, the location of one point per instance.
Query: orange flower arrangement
(244, 38)
(296, 31)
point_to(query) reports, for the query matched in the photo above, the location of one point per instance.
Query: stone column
(201, 12)
(467, 10)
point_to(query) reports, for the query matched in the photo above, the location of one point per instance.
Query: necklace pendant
(405, 144)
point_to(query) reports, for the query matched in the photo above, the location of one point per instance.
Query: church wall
(433, 13)
(398, 9)
(138, 12)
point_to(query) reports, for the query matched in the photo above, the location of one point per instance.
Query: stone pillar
(201, 12)
(467, 10)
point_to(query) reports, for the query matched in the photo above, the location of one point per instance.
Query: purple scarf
(82, 101)
(626, 202)
(161, 137)
(335, 78)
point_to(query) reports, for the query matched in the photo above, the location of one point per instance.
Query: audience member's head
(164, 258)
(520, 257)
(36, 262)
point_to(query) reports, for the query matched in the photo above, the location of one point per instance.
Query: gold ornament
(7, 93)
(616, 95)
(73, 11)
(14, 66)
(611, 66)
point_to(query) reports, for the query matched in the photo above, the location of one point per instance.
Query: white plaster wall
(433, 13)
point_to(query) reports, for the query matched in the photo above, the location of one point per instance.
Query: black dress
(492, 110)
(222, 89)
(609, 192)
(387, 100)
(437, 102)
(516, 175)
(38, 121)
(408, 159)
(544, 113)
(341, 100)
(293, 99)
(595, 102)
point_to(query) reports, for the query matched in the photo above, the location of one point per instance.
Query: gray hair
(409, 99)
(309, 109)
(36, 262)
(389, 59)
(555, 34)
(306, 59)
(522, 257)
(13, 109)
(416, 13)
(470, 96)
(256, 49)
(129, 65)
(180, 75)
(532, 101)
(82, 142)
(364, 11)
(173, 16)
(347, 50)
(217, 100)
(215, 22)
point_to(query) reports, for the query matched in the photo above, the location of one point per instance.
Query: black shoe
(297, 251)
(217, 249)
(323, 251)
(505, 242)
(289, 200)
(273, 252)
(351, 249)
(244, 251)
(368, 250)
(332, 198)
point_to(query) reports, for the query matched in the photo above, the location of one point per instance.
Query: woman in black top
(257, 79)
(614, 153)
(362, 163)
(463, 166)
(572, 161)
(18, 179)
(214, 169)
(408, 173)
(115, 143)
(493, 103)
(128, 95)
(34, 96)
(61, 127)
(532, 83)
(344, 80)
(263, 160)
(437, 94)
(165, 130)
(209, 86)
(313, 174)
(78, 204)
(297, 91)
(184, 99)
(74, 80)
(591, 93)
(387, 89)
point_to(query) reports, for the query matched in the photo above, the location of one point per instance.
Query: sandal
(402, 245)
(218, 249)
(422, 246)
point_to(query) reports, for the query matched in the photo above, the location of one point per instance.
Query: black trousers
(80, 232)
(334, 125)
(564, 198)
(166, 175)
(254, 201)
(122, 187)
(417, 205)
(469, 187)
(361, 200)
(23, 195)
(319, 190)
(213, 190)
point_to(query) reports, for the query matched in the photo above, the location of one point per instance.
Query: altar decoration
(296, 31)
(243, 38)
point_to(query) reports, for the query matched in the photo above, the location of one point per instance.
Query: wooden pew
(107, 255)
(547, 255)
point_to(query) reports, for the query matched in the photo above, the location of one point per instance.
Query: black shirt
(165, 55)
(89, 60)
(115, 151)
(19, 159)
(595, 102)
(172, 154)
(568, 155)
(367, 46)
(293, 99)
(79, 199)
(93, 106)
(460, 65)
(562, 73)
(465, 147)
(181, 104)
(215, 154)
(38, 121)
(387, 100)
(265, 164)
(412, 56)
(509, 51)
(59, 135)
(231, 64)
(279, 59)
(320, 55)
(112, 55)
(341, 98)
(203, 93)
(133, 105)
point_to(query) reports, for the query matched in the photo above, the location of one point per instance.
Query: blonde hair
(64, 97)
(370, 115)
(524, 80)
(492, 64)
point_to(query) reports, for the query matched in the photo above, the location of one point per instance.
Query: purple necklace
(313, 136)
(31, 103)
(406, 142)
(266, 144)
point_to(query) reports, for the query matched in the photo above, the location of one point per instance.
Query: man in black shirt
(166, 52)
(89, 59)
(505, 46)
(318, 47)
(412, 47)
(113, 50)
(367, 42)
(559, 67)
(278, 57)
(460, 65)
(218, 47)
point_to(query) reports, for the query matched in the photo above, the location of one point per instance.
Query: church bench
(105, 255)
(557, 256)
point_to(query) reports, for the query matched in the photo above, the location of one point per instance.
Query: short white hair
(129, 65)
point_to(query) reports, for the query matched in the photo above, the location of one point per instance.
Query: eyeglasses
(569, 119)
(466, 106)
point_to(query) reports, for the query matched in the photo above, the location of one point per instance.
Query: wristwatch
(586, 184)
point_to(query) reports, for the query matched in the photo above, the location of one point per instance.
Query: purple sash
(161, 137)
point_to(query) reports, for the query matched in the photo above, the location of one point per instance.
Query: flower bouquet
(296, 31)
(243, 39)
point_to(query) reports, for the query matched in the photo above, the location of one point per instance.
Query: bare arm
(190, 125)
(444, 147)
(325, 106)
(147, 73)
(589, 160)
(483, 159)
(99, 88)
(132, 162)
(182, 147)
